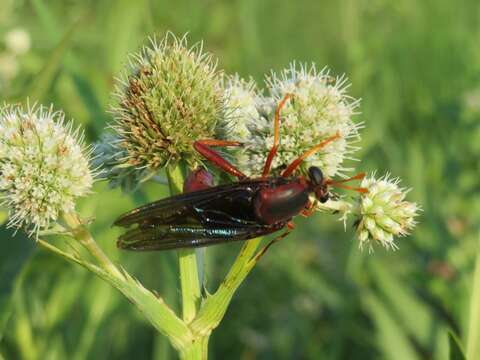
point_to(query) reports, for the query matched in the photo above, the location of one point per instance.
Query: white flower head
(17, 41)
(241, 99)
(319, 108)
(44, 166)
(383, 213)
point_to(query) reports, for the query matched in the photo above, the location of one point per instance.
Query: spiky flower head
(241, 97)
(44, 166)
(318, 109)
(383, 213)
(169, 96)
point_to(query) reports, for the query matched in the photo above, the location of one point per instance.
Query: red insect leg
(276, 136)
(296, 163)
(262, 252)
(203, 147)
(309, 210)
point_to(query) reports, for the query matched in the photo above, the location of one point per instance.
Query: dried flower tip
(383, 213)
(318, 109)
(169, 96)
(44, 166)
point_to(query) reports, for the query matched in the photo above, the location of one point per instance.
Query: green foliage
(13, 257)
(456, 351)
(416, 65)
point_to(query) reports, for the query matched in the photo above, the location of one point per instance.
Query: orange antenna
(359, 176)
(339, 183)
(357, 189)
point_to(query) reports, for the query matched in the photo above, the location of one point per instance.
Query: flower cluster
(383, 213)
(43, 166)
(318, 109)
(241, 100)
(170, 95)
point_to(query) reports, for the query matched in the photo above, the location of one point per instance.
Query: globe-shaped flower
(44, 166)
(169, 96)
(241, 98)
(318, 109)
(383, 213)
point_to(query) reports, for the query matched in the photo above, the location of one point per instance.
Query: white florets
(43, 166)
(383, 213)
(319, 108)
(241, 100)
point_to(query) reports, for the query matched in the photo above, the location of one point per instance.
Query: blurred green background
(415, 64)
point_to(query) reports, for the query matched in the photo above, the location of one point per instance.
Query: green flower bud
(169, 96)
(383, 213)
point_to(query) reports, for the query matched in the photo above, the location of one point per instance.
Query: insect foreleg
(204, 148)
(276, 136)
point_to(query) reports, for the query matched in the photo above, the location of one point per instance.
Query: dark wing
(220, 205)
(212, 216)
(168, 237)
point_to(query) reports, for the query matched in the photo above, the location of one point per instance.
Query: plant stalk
(83, 236)
(215, 306)
(150, 305)
(187, 258)
(198, 350)
(473, 341)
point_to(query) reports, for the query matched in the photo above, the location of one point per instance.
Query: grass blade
(456, 352)
(15, 251)
(42, 82)
(473, 343)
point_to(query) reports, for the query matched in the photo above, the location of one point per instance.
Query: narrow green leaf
(473, 342)
(391, 337)
(456, 351)
(15, 251)
(413, 314)
(42, 82)
(152, 307)
(47, 19)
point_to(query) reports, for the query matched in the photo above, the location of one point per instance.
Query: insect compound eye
(316, 175)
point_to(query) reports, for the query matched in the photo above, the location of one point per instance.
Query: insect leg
(262, 252)
(276, 136)
(204, 148)
(295, 163)
(309, 210)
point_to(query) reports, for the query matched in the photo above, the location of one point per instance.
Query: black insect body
(206, 215)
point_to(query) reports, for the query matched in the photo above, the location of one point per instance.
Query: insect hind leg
(263, 251)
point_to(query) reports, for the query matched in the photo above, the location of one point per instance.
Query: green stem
(198, 350)
(151, 306)
(83, 236)
(187, 258)
(473, 343)
(215, 306)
